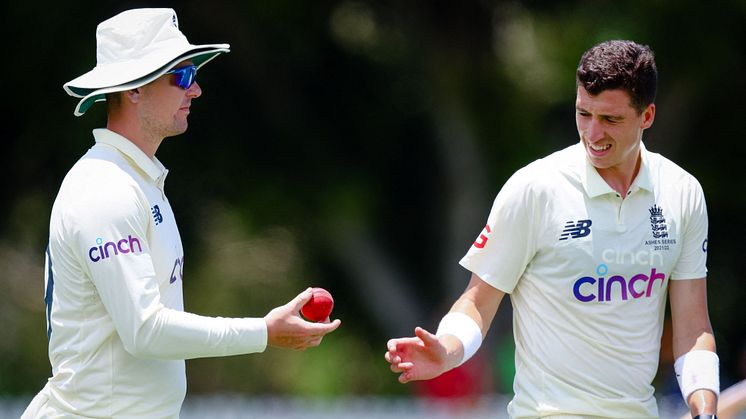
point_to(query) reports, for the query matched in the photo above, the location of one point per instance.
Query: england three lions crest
(658, 222)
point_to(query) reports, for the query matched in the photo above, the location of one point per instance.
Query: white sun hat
(134, 48)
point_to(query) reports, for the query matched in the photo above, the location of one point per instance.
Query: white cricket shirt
(587, 273)
(118, 335)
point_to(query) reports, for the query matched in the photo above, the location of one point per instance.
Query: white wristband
(698, 370)
(465, 329)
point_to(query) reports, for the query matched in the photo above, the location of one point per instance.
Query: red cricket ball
(319, 307)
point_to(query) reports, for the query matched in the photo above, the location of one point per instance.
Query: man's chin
(178, 130)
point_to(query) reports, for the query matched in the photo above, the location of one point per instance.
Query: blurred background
(357, 146)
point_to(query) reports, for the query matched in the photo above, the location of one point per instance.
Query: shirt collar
(152, 167)
(595, 185)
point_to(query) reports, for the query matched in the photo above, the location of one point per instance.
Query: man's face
(165, 107)
(611, 129)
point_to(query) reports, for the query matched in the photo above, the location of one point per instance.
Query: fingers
(396, 366)
(402, 344)
(407, 372)
(323, 328)
(313, 334)
(393, 360)
(406, 377)
(391, 345)
(308, 344)
(416, 358)
(398, 347)
(426, 337)
(300, 300)
(305, 342)
(397, 350)
(295, 333)
(391, 357)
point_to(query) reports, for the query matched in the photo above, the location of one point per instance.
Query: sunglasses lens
(185, 76)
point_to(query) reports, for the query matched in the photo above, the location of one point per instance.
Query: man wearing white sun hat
(133, 49)
(118, 335)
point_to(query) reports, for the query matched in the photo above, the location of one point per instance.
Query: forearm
(701, 401)
(697, 339)
(468, 307)
(454, 351)
(172, 334)
(461, 332)
(697, 364)
(476, 308)
(694, 339)
(479, 301)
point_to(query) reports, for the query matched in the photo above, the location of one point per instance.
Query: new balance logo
(574, 230)
(157, 217)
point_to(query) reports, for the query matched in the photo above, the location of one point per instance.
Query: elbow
(143, 341)
(139, 349)
(701, 339)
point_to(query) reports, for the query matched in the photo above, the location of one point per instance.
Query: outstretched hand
(418, 358)
(287, 329)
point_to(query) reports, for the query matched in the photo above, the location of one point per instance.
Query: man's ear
(648, 116)
(133, 95)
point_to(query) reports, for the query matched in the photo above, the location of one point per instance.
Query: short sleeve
(692, 263)
(507, 243)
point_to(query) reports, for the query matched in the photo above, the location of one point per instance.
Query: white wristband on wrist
(698, 370)
(465, 329)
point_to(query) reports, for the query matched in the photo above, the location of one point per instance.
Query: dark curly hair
(620, 65)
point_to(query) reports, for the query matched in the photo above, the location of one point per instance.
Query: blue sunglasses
(184, 75)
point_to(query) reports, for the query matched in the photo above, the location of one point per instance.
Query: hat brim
(91, 89)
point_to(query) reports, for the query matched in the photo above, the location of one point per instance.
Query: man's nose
(194, 90)
(594, 131)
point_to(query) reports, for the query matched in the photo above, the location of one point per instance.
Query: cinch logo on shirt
(587, 289)
(105, 251)
(178, 271)
(576, 230)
